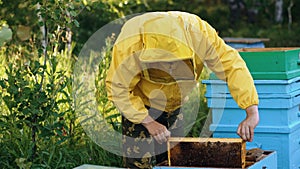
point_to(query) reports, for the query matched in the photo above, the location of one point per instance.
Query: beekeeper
(156, 62)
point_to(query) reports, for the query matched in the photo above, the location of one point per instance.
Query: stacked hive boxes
(276, 73)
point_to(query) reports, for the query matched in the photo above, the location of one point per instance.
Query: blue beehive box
(285, 141)
(279, 101)
(275, 109)
(274, 101)
(279, 117)
(262, 86)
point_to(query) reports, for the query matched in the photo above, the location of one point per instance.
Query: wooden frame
(206, 152)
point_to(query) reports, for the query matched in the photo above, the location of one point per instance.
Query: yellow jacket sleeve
(124, 74)
(228, 66)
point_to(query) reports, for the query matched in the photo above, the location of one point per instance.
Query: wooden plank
(207, 152)
(275, 49)
(244, 40)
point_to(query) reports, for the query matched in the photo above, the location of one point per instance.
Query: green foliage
(48, 110)
(102, 12)
(107, 109)
(35, 111)
(5, 34)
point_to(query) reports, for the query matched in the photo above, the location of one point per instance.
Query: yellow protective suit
(157, 60)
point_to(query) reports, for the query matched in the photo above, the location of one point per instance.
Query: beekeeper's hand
(247, 126)
(157, 130)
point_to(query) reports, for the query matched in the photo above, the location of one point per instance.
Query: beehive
(279, 109)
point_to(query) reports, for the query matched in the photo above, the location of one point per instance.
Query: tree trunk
(278, 11)
(290, 13)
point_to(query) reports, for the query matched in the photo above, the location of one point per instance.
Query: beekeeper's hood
(164, 39)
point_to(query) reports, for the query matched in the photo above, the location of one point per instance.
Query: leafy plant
(5, 34)
(35, 107)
